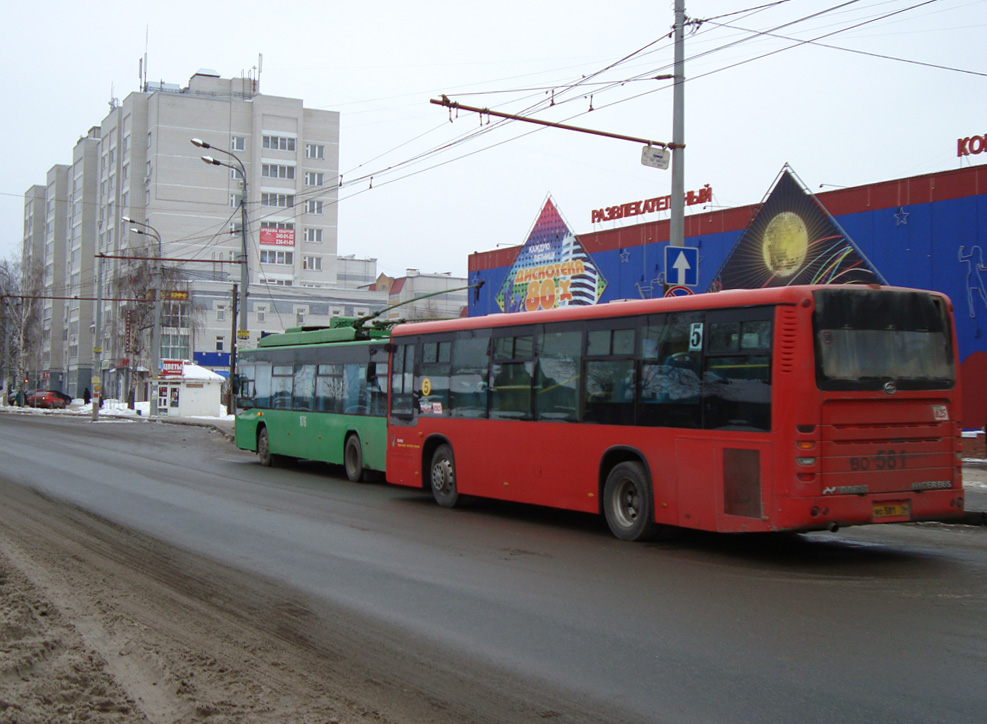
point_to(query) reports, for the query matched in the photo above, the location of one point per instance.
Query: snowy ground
(116, 408)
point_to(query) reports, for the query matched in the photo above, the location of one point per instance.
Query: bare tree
(135, 281)
(30, 332)
(11, 310)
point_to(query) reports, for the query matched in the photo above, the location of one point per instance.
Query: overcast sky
(442, 189)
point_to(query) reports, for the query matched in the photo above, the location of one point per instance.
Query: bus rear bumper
(829, 512)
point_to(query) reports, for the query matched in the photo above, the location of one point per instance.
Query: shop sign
(171, 368)
(650, 206)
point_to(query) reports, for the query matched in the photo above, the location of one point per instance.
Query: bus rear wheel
(443, 477)
(353, 458)
(628, 503)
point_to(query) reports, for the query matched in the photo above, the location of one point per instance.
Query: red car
(50, 399)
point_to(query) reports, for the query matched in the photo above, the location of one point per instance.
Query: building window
(313, 235)
(312, 263)
(220, 313)
(261, 314)
(276, 282)
(219, 344)
(174, 314)
(270, 256)
(300, 317)
(279, 143)
(314, 178)
(277, 225)
(284, 201)
(314, 150)
(236, 174)
(174, 346)
(313, 206)
(238, 143)
(272, 170)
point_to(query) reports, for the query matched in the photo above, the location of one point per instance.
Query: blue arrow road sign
(682, 265)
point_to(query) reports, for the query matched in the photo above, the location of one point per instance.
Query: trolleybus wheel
(264, 449)
(443, 477)
(353, 458)
(628, 503)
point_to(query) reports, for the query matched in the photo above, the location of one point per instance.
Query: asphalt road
(884, 623)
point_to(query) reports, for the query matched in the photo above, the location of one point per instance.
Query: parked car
(51, 399)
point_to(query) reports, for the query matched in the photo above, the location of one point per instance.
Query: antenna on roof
(147, 32)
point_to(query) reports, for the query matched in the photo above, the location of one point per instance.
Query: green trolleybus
(316, 394)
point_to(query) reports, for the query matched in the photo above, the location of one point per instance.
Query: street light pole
(242, 333)
(149, 230)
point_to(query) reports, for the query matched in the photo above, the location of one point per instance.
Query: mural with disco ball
(792, 239)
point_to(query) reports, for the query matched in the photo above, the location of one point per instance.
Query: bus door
(724, 473)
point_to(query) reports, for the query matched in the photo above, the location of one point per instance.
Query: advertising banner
(551, 270)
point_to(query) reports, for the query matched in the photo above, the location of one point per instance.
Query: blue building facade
(926, 232)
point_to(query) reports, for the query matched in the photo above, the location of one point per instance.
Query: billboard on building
(792, 239)
(551, 270)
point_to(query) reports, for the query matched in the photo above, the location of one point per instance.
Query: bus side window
(557, 384)
(470, 366)
(303, 393)
(433, 383)
(511, 376)
(669, 384)
(355, 398)
(281, 383)
(377, 387)
(262, 385)
(737, 376)
(329, 388)
(609, 381)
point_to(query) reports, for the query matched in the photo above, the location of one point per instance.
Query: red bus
(785, 409)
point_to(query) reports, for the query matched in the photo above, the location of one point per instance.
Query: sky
(883, 91)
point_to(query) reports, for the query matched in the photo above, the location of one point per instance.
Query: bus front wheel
(353, 458)
(443, 477)
(628, 503)
(264, 454)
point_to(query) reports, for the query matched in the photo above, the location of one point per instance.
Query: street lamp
(148, 230)
(244, 232)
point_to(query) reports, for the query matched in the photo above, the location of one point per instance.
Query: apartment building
(274, 155)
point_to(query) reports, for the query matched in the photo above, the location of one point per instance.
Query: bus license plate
(892, 511)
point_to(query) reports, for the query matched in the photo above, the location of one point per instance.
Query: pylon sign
(682, 266)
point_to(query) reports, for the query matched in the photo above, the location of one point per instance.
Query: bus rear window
(865, 338)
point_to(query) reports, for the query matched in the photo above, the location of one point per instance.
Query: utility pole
(677, 223)
(97, 379)
(233, 346)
